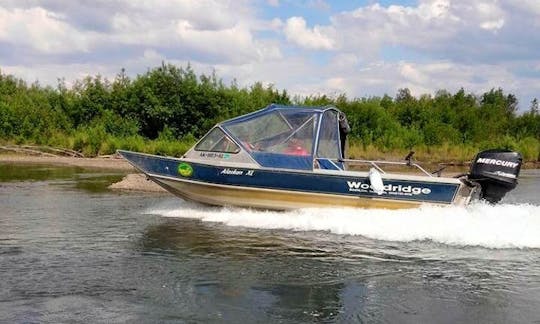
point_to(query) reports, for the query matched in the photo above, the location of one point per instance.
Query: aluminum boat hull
(241, 185)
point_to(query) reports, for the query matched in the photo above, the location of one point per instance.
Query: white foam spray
(499, 226)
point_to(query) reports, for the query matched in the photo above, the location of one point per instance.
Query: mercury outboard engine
(496, 171)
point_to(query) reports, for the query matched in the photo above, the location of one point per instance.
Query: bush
(133, 143)
(109, 146)
(150, 113)
(529, 147)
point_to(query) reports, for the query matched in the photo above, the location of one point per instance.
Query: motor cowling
(496, 171)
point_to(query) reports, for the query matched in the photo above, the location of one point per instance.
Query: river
(73, 251)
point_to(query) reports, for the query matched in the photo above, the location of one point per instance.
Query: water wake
(500, 226)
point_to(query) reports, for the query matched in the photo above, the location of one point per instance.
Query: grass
(529, 148)
(92, 144)
(428, 154)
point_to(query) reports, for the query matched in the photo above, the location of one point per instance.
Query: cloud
(45, 31)
(462, 31)
(217, 31)
(364, 51)
(527, 6)
(235, 43)
(490, 15)
(318, 4)
(297, 32)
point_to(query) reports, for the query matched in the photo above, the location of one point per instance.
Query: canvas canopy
(288, 136)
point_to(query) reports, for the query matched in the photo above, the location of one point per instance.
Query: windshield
(217, 141)
(287, 132)
(329, 136)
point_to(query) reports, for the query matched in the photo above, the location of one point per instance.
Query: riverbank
(109, 163)
(135, 181)
(115, 162)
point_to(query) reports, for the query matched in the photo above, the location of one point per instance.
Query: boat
(288, 157)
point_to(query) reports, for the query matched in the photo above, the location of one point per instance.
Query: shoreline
(112, 163)
(117, 163)
(133, 179)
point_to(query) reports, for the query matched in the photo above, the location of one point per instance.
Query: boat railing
(375, 164)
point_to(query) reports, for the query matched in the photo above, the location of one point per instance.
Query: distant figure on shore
(344, 130)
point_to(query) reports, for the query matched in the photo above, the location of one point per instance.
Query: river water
(73, 251)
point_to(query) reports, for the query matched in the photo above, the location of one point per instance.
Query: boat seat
(283, 161)
(327, 164)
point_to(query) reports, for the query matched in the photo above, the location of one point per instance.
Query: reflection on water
(284, 277)
(78, 177)
(310, 276)
(28, 172)
(69, 253)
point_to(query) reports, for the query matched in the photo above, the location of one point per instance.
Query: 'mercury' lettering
(498, 162)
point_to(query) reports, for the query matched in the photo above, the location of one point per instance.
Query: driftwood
(110, 156)
(41, 150)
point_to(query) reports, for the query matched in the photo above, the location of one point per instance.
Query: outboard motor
(496, 171)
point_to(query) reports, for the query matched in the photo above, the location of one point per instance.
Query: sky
(361, 48)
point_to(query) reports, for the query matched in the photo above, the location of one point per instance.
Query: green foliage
(529, 147)
(165, 110)
(88, 140)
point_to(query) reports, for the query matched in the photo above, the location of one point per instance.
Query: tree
(534, 107)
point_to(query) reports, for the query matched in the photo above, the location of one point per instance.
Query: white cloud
(49, 74)
(297, 32)
(215, 30)
(337, 85)
(276, 24)
(153, 56)
(344, 62)
(204, 15)
(438, 28)
(490, 15)
(433, 9)
(42, 30)
(318, 4)
(371, 50)
(532, 6)
(236, 43)
(493, 24)
(412, 74)
(373, 26)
